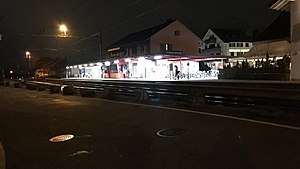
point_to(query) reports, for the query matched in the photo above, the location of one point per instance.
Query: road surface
(118, 135)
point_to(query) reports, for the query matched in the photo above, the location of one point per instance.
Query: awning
(278, 48)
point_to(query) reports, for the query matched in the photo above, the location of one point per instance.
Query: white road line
(209, 114)
(2, 157)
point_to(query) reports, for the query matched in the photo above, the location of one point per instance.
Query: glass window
(240, 45)
(231, 44)
(212, 46)
(177, 33)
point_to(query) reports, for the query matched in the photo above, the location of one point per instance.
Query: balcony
(210, 40)
(212, 50)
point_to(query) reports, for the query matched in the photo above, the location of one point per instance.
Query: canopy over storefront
(277, 48)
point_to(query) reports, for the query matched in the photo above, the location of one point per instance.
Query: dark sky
(120, 17)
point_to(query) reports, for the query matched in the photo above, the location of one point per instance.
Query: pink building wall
(187, 41)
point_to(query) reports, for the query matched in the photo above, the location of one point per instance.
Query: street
(119, 135)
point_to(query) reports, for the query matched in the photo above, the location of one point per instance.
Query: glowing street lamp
(63, 28)
(28, 55)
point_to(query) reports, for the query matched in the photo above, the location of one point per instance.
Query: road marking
(2, 157)
(209, 114)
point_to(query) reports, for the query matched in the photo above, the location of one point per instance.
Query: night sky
(117, 18)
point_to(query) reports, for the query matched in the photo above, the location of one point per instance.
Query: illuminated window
(165, 47)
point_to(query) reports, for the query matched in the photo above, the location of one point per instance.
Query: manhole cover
(175, 132)
(61, 138)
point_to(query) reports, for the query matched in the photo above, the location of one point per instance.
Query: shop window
(113, 68)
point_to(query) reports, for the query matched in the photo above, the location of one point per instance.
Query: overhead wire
(121, 23)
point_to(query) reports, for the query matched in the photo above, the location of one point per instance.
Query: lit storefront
(156, 67)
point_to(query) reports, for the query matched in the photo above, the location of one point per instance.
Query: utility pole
(1, 60)
(100, 45)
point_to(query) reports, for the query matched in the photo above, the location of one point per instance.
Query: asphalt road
(117, 135)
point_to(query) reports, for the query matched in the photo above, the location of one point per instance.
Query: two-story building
(226, 42)
(171, 37)
(165, 52)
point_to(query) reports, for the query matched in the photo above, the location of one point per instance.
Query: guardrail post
(31, 86)
(196, 98)
(55, 89)
(3, 83)
(16, 85)
(87, 93)
(41, 88)
(109, 93)
(142, 96)
(68, 90)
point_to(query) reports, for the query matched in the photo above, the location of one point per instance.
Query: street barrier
(282, 95)
(68, 90)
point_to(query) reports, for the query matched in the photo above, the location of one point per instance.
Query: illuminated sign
(173, 52)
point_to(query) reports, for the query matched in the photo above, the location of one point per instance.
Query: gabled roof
(140, 35)
(232, 35)
(279, 29)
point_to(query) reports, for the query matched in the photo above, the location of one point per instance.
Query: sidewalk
(2, 157)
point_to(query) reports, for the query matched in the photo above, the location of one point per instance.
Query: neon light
(158, 57)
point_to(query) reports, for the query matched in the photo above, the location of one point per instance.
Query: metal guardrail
(284, 95)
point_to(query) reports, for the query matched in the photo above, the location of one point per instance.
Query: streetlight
(28, 55)
(28, 60)
(63, 28)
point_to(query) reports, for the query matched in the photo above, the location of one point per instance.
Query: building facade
(226, 42)
(172, 37)
(294, 7)
(169, 51)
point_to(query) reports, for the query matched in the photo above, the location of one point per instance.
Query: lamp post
(28, 59)
(63, 29)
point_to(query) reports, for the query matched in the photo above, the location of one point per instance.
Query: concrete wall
(187, 42)
(295, 37)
